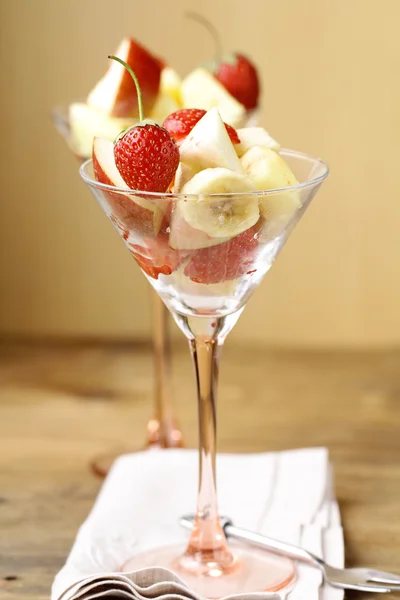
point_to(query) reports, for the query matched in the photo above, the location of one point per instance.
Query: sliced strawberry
(181, 122)
(239, 76)
(157, 257)
(226, 261)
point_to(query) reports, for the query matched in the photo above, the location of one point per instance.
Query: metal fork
(366, 580)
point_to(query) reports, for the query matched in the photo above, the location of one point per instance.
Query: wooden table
(61, 405)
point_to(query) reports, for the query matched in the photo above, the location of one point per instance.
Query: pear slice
(200, 89)
(268, 170)
(255, 136)
(208, 145)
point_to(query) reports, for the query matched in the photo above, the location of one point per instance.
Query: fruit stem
(211, 29)
(136, 81)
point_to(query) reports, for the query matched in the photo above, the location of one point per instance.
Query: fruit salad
(190, 199)
(230, 84)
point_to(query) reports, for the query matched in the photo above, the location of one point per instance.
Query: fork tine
(383, 577)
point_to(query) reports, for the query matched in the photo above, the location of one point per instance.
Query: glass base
(252, 570)
(171, 438)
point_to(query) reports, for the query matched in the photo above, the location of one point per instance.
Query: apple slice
(155, 257)
(115, 94)
(255, 136)
(208, 145)
(87, 122)
(183, 174)
(200, 89)
(135, 213)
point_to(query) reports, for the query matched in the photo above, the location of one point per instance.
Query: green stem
(136, 81)
(211, 29)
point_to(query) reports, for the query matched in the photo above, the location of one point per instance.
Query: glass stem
(207, 543)
(162, 430)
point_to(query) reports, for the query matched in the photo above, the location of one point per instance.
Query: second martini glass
(206, 292)
(162, 429)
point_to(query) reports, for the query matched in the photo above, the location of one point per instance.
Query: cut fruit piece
(184, 237)
(226, 261)
(209, 145)
(146, 155)
(181, 122)
(239, 77)
(156, 257)
(267, 169)
(222, 216)
(134, 213)
(115, 94)
(169, 95)
(200, 89)
(171, 85)
(87, 122)
(164, 106)
(255, 136)
(183, 174)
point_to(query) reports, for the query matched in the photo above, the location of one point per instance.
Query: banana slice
(255, 136)
(267, 170)
(185, 237)
(220, 217)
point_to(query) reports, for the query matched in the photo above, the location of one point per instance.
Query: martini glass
(162, 429)
(206, 291)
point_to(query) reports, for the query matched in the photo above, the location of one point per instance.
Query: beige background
(330, 71)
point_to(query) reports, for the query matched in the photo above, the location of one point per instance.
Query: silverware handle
(282, 548)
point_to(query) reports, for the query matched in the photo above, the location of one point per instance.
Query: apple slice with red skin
(141, 215)
(156, 257)
(115, 94)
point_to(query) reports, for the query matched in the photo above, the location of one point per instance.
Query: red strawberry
(146, 155)
(133, 214)
(234, 71)
(157, 257)
(181, 122)
(239, 76)
(226, 261)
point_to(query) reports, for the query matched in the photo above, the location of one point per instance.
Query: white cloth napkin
(287, 495)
